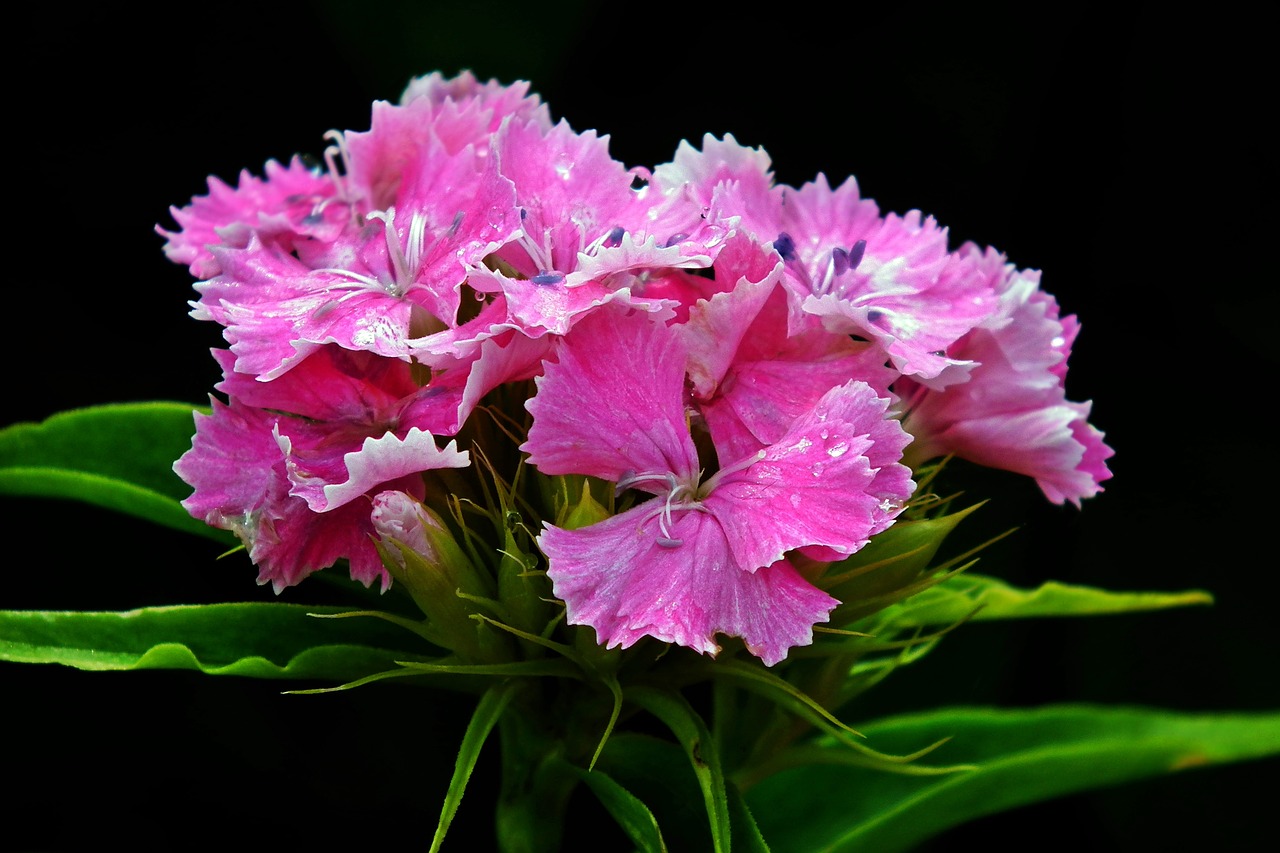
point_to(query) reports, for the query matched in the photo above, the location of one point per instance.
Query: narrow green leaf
(632, 815)
(746, 833)
(1022, 756)
(488, 712)
(959, 596)
(255, 639)
(695, 739)
(119, 457)
(657, 775)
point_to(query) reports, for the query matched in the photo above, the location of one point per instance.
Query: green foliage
(255, 639)
(775, 763)
(118, 456)
(1017, 756)
(979, 597)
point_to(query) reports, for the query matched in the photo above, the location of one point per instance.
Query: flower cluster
(755, 370)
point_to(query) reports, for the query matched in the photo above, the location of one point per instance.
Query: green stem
(536, 785)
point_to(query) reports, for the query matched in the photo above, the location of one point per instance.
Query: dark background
(1116, 148)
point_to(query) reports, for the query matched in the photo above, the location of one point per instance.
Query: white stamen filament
(404, 266)
(539, 254)
(672, 502)
(714, 480)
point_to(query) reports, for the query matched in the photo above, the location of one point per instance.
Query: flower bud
(422, 554)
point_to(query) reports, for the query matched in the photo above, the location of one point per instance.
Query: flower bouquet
(660, 466)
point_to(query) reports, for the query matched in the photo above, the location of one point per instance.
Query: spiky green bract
(116, 456)
(1018, 756)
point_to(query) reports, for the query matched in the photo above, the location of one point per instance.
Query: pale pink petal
(912, 296)
(1013, 413)
(290, 199)
(326, 478)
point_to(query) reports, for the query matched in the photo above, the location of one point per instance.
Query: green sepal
(579, 506)
(891, 566)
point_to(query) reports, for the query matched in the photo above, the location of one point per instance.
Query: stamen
(714, 480)
(333, 155)
(674, 239)
(785, 246)
(840, 260)
(614, 237)
(630, 478)
(856, 252)
(403, 275)
(547, 277)
(455, 225)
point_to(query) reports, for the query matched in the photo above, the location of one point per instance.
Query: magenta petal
(832, 480)
(238, 473)
(612, 404)
(616, 578)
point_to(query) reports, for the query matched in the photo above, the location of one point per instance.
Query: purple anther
(839, 261)
(547, 277)
(674, 239)
(524, 214)
(874, 315)
(785, 246)
(615, 237)
(664, 542)
(313, 219)
(457, 223)
(856, 251)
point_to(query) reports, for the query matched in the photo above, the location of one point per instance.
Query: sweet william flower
(241, 483)
(704, 556)
(1013, 413)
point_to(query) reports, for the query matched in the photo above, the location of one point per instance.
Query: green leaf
(117, 456)
(746, 833)
(958, 597)
(255, 639)
(698, 745)
(488, 712)
(1022, 756)
(657, 775)
(632, 815)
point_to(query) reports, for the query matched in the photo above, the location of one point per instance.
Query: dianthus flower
(707, 555)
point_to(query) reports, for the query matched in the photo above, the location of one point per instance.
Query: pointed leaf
(958, 597)
(632, 815)
(117, 456)
(488, 712)
(256, 639)
(658, 775)
(692, 733)
(1022, 756)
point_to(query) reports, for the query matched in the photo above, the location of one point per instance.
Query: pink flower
(703, 557)
(751, 375)
(242, 484)
(1012, 413)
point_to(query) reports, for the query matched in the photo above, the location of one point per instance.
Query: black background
(1117, 148)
